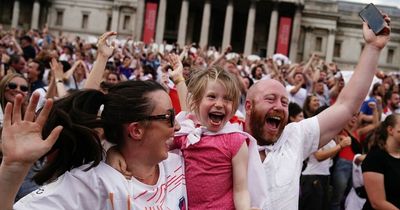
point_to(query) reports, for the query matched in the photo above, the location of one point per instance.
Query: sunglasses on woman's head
(170, 116)
(13, 86)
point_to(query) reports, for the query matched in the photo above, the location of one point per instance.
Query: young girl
(214, 150)
(216, 153)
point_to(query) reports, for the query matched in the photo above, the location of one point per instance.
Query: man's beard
(257, 122)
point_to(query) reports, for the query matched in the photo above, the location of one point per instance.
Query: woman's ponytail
(78, 143)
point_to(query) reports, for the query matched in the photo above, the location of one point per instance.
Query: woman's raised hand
(22, 141)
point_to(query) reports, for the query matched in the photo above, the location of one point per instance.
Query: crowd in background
(37, 61)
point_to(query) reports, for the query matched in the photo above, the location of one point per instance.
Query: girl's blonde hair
(198, 83)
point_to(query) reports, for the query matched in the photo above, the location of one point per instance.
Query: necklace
(148, 178)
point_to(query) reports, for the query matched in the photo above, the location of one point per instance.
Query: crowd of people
(112, 125)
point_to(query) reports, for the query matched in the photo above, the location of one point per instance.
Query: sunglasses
(13, 86)
(170, 116)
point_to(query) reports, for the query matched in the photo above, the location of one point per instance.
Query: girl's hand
(23, 143)
(103, 48)
(117, 161)
(176, 63)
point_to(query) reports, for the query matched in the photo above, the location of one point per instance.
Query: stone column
(35, 15)
(205, 24)
(307, 43)
(162, 10)
(330, 46)
(295, 34)
(228, 25)
(248, 46)
(15, 15)
(273, 30)
(138, 30)
(115, 18)
(183, 23)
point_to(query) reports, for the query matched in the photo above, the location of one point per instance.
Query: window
(85, 20)
(336, 50)
(390, 55)
(59, 17)
(109, 19)
(318, 44)
(127, 21)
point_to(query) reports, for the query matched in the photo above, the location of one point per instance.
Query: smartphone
(371, 15)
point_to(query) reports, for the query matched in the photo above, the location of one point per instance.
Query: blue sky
(379, 2)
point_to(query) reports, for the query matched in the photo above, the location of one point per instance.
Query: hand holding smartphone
(371, 15)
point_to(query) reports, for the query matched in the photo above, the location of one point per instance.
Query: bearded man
(284, 147)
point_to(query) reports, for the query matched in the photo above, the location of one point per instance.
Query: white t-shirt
(315, 167)
(298, 97)
(284, 162)
(105, 188)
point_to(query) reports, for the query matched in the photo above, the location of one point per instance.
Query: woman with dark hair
(381, 167)
(137, 117)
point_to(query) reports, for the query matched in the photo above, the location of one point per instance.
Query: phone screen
(371, 15)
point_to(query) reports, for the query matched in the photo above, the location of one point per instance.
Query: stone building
(296, 28)
(24, 13)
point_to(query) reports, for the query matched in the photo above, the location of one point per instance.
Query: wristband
(178, 80)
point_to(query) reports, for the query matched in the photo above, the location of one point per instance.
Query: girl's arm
(241, 196)
(375, 188)
(22, 145)
(179, 80)
(115, 159)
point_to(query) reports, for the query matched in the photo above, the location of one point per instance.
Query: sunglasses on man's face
(170, 116)
(13, 86)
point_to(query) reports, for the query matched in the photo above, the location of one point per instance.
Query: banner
(150, 22)
(285, 26)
